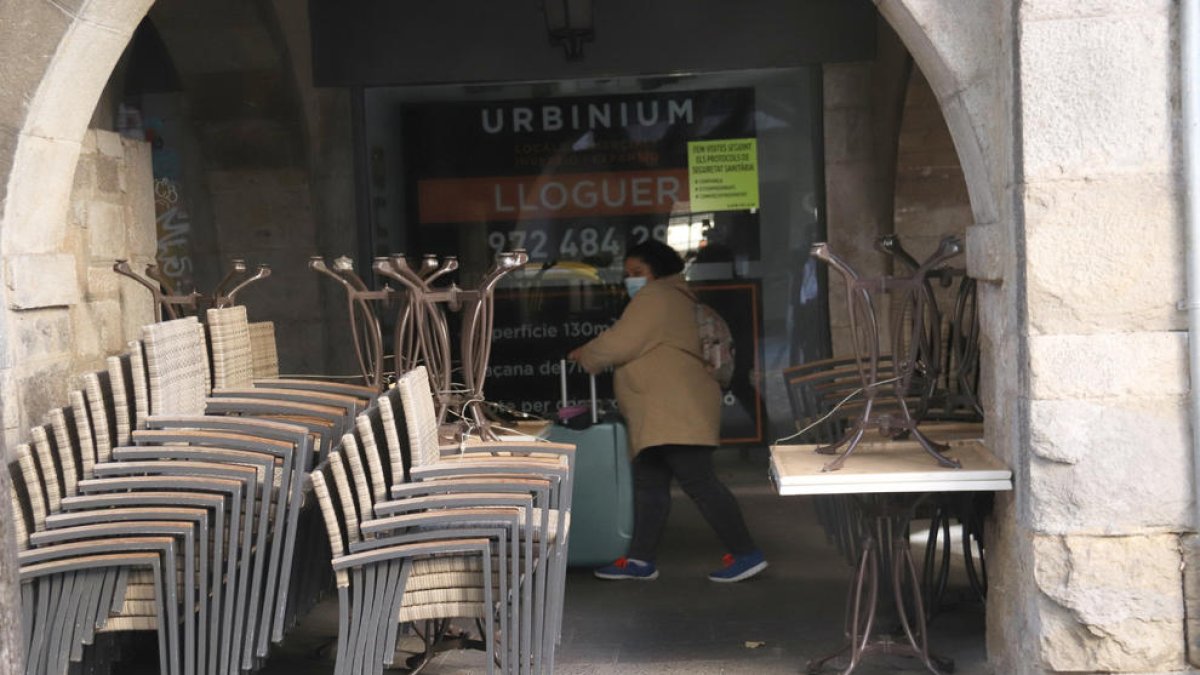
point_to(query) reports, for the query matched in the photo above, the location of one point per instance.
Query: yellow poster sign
(723, 174)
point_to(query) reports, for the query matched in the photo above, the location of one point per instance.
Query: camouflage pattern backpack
(716, 344)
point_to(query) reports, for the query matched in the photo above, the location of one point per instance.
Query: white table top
(887, 466)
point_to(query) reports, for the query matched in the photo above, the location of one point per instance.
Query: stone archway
(59, 56)
(966, 55)
(1065, 117)
(58, 61)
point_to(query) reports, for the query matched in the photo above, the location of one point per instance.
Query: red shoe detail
(621, 563)
(727, 560)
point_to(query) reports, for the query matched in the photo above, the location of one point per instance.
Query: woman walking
(672, 407)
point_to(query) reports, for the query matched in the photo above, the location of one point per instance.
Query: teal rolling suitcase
(602, 502)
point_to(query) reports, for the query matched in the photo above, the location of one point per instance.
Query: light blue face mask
(634, 284)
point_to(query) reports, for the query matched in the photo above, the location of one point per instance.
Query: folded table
(886, 481)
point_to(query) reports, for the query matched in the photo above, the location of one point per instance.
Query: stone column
(1108, 467)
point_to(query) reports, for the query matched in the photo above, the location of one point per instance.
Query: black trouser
(692, 465)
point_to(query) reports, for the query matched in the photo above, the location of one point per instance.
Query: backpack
(716, 344)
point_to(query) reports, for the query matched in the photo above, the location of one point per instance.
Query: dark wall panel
(388, 42)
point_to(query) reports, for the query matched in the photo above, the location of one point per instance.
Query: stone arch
(61, 97)
(960, 52)
(59, 55)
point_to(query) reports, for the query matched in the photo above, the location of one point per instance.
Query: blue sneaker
(739, 567)
(628, 568)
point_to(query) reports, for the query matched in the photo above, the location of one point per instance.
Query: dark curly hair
(662, 260)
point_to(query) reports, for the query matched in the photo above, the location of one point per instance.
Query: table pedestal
(885, 551)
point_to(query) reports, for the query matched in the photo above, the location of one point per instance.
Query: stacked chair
(196, 495)
(192, 499)
(516, 496)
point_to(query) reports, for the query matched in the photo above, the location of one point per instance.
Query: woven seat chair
(238, 355)
(255, 594)
(261, 599)
(162, 390)
(183, 341)
(74, 583)
(550, 461)
(536, 527)
(286, 449)
(233, 371)
(229, 487)
(174, 363)
(381, 517)
(220, 498)
(291, 447)
(57, 455)
(263, 350)
(415, 571)
(237, 484)
(175, 391)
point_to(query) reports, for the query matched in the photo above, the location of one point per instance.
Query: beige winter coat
(663, 388)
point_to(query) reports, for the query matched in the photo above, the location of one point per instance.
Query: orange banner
(615, 193)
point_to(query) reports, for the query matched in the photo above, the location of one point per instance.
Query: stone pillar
(965, 53)
(1108, 469)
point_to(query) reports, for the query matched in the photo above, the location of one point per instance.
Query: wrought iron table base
(914, 303)
(854, 436)
(888, 523)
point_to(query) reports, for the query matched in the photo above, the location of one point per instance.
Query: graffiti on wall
(172, 222)
(174, 233)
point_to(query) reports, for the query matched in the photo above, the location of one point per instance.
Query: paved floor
(683, 623)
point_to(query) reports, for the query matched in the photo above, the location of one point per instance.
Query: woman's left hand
(575, 356)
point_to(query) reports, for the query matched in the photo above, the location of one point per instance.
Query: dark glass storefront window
(724, 167)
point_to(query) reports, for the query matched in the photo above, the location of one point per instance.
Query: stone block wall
(1109, 462)
(111, 217)
(931, 200)
(67, 309)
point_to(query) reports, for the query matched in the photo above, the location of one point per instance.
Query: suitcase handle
(562, 371)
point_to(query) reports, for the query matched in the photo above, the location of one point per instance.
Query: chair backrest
(66, 443)
(98, 391)
(816, 388)
(49, 467)
(177, 373)
(351, 456)
(371, 429)
(329, 498)
(141, 388)
(25, 493)
(420, 415)
(263, 350)
(395, 435)
(120, 378)
(81, 421)
(28, 499)
(232, 355)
